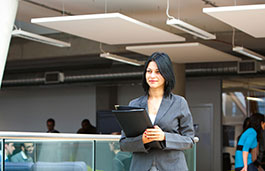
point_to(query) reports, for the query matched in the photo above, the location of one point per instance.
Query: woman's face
(153, 77)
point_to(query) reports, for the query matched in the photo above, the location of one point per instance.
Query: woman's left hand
(154, 134)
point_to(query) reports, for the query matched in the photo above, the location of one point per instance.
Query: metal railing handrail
(62, 136)
(56, 136)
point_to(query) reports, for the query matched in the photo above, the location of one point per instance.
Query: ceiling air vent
(247, 66)
(54, 77)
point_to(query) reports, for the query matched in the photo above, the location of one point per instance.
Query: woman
(247, 143)
(171, 116)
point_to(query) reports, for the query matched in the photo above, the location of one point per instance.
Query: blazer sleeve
(184, 139)
(132, 144)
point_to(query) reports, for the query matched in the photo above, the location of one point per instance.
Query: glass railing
(67, 152)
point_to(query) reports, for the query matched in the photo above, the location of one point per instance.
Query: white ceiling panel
(110, 28)
(247, 18)
(185, 52)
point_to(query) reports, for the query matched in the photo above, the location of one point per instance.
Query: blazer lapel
(163, 108)
(143, 103)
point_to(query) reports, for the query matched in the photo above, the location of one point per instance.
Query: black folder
(134, 121)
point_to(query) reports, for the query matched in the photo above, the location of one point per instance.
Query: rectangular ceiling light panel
(247, 18)
(185, 52)
(110, 28)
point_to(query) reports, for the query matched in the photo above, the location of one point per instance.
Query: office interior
(69, 84)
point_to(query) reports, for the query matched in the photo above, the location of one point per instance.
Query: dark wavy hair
(246, 123)
(164, 65)
(255, 123)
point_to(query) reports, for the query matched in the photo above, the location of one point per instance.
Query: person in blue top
(247, 143)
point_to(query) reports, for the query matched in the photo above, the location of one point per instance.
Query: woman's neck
(156, 93)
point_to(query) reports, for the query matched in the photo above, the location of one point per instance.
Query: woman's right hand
(145, 139)
(153, 134)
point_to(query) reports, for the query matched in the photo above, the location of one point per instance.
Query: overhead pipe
(127, 75)
(75, 79)
(24, 82)
(218, 70)
(212, 70)
(103, 76)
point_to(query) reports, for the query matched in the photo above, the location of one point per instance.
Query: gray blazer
(175, 119)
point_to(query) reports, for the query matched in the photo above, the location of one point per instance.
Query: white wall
(128, 92)
(27, 109)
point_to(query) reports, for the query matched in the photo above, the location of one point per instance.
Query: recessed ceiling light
(249, 53)
(38, 38)
(190, 29)
(255, 99)
(122, 59)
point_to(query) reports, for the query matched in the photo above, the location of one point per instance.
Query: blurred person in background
(9, 149)
(87, 128)
(25, 155)
(50, 125)
(246, 150)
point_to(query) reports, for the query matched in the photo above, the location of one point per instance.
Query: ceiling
(152, 12)
(244, 17)
(149, 11)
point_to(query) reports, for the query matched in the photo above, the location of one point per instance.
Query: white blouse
(152, 118)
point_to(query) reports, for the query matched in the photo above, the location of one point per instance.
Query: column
(180, 76)
(8, 10)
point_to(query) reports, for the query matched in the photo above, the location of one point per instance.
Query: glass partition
(190, 155)
(110, 158)
(49, 155)
(241, 97)
(70, 154)
(1, 151)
